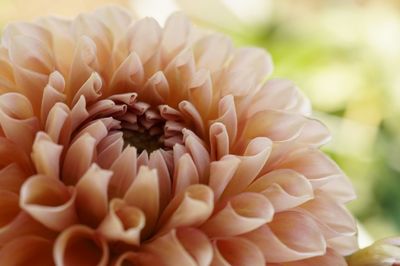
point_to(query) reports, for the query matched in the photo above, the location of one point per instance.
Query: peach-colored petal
(10, 153)
(139, 258)
(227, 116)
(200, 92)
(179, 212)
(124, 171)
(284, 188)
(144, 194)
(236, 251)
(183, 246)
(219, 141)
(190, 112)
(11, 178)
(242, 213)
(83, 148)
(157, 162)
(91, 199)
(52, 93)
(156, 89)
(46, 155)
(114, 19)
(80, 245)
(91, 89)
(290, 236)
(185, 174)
(27, 250)
(123, 223)
(58, 123)
(48, 201)
(252, 161)
(9, 207)
(329, 258)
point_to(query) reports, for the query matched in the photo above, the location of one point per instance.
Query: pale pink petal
(144, 194)
(236, 251)
(92, 199)
(179, 212)
(242, 213)
(284, 188)
(35, 251)
(123, 223)
(80, 245)
(48, 201)
(290, 236)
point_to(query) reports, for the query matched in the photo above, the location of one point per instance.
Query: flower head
(122, 141)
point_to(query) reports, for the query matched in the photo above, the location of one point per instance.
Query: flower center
(142, 140)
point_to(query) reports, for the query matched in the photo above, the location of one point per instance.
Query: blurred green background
(344, 54)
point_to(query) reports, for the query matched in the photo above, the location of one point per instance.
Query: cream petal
(144, 38)
(128, 77)
(144, 193)
(46, 155)
(52, 93)
(291, 236)
(124, 171)
(58, 124)
(80, 245)
(92, 199)
(212, 52)
(219, 141)
(91, 89)
(200, 92)
(115, 19)
(242, 213)
(78, 158)
(35, 251)
(314, 133)
(221, 173)
(236, 251)
(84, 63)
(227, 116)
(175, 36)
(17, 120)
(48, 201)
(199, 153)
(183, 246)
(251, 163)
(31, 30)
(284, 188)
(11, 178)
(179, 212)
(185, 174)
(156, 161)
(122, 223)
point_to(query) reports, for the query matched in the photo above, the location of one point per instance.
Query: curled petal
(123, 223)
(144, 193)
(236, 251)
(242, 213)
(80, 245)
(251, 163)
(190, 112)
(284, 188)
(179, 212)
(200, 92)
(52, 93)
(91, 199)
(156, 89)
(221, 173)
(291, 236)
(139, 258)
(109, 149)
(36, 251)
(114, 19)
(91, 89)
(157, 162)
(46, 155)
(219, 141)
(58, 123)
(12, 153)
(49, 202)
(124, 171)
(9, 208)
(83, 148)
(329, 258)
(79, 113)
(227, 116)
(185, 174)
(183, 246)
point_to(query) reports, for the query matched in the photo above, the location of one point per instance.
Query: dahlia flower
(126, 143)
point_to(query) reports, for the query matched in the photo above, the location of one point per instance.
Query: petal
(123, 223)
(80, 245)
(11, 178)
(219, 141)
(227, 116)
(46, 155)
(200, 92)
(236, 251)
(91, 89)
(284, 188)
(179, 212)
(185, 174)
(144, 194)
(35, 251)
(242, 213)
(290, 236)
(58, 123)
(48, 201)
(124, 171)
(92, 199)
